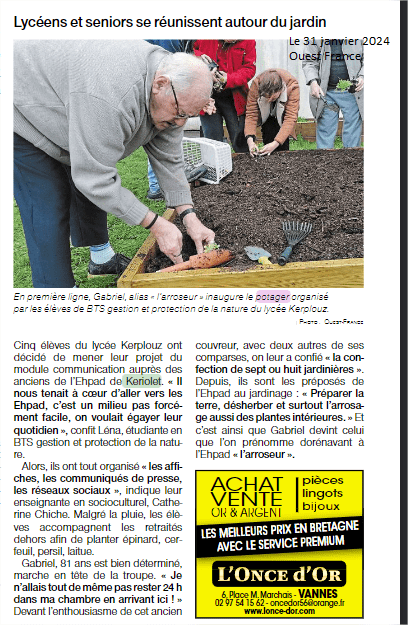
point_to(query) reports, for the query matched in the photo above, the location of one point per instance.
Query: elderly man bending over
(80, 107)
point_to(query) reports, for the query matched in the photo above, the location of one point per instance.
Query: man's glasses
(179, 115)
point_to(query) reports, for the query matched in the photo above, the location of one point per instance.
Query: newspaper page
(200, 343)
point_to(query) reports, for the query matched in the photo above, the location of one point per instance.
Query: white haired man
(79, 108)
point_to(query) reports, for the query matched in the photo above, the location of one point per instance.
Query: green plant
(211, 246)
(343, 85)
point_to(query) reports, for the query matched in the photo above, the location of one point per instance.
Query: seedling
(347, 85)
(211, 246)
(343, 85)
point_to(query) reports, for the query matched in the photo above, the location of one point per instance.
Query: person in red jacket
(236, 66)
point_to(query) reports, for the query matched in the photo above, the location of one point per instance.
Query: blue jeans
(53, 211)
(153, 184)
(213, 124)
(327, 123)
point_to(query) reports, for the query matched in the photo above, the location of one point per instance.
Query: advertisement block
(279, 544)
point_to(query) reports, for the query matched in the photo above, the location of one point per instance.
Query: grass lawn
(125, 239)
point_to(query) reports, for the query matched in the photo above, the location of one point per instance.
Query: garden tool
(332, 105)
(294, 232)
(203, 261)
(257, 253)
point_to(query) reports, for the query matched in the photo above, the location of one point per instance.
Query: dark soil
(249, 206)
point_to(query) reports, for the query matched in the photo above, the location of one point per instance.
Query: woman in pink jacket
(236, 66)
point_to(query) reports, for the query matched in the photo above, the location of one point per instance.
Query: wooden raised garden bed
(259, 192)
(308, 130)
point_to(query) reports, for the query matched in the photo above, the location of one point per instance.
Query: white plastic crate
(216, 155)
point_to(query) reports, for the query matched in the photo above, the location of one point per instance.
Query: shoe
(155, 195)
(194, 173)
(115, 266)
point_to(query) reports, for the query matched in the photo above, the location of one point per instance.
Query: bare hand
(198, 232)
(207, 59)
(169, 239)
(315, 90)
(253, 148)
(360, 84)
(221, 76)
(270, 147)
(210, 108)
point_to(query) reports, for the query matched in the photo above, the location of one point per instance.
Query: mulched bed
(249, 206)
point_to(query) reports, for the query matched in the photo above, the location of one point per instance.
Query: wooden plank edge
(340, 273)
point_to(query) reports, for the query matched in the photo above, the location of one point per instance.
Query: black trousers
(53, 211)
(212, 124)
(269, 131)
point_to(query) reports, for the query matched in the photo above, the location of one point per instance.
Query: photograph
(188, 163)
